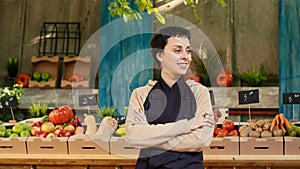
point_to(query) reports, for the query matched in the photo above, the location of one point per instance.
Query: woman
(170, 119)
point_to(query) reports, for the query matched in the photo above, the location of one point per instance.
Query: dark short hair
(160, 39)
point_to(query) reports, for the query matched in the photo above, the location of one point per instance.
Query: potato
(242, 128)
(254, 134)
(253, 125)
(277, 132)
(266, 134)
(267, 126)
(260, 123)
(244, 133)
(259, 129)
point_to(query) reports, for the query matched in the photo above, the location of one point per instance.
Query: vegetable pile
(227, 129)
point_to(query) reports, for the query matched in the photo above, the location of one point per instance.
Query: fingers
(205, 119)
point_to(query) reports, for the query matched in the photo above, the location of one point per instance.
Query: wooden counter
(42, 161)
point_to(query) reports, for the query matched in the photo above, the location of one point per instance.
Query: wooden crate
(13, 145)
(223, 146)
(80, 65)
(291, 145)
(261, 146)
(37, 145)
(83, 144)
(119, 146)
(42, 64)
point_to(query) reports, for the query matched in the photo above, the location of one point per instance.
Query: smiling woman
(170, 119)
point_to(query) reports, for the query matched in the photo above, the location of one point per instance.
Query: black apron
(164, 105)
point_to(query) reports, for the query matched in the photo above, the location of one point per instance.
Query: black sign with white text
(88, 100)
(291, 98)
(249, 96)
(9, 102)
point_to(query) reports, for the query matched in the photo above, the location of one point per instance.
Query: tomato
(224, 79)
(228, 125)
(233, 133)
(217, 131)
(61, 115)
(194, 77)
(222, 133)
(75, 78)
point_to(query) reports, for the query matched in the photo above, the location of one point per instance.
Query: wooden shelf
(111, 162)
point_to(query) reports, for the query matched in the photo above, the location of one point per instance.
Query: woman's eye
(189, 51)
(177, 50)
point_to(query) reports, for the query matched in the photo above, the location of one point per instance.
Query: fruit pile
(42, 76)
(227, 129)
(18, 130)
(62, 123)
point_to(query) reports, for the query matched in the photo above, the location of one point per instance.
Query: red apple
(41, 134)
(69, 128)
(51, 135)
(48, 127)
(65, 133)
(34, 129)
(38, 123)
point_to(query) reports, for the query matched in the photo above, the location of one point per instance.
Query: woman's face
(176, 57)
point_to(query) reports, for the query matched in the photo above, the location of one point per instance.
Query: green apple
(25, 133)
(45, 76)
(17, 128)
(13, 135)
(121, 131)
(51, 78)
(36, 76)
(2, 133)
(8, 132)
(27, 127)
(2, 128)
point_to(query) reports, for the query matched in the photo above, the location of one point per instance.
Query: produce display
(227, 129)
(18, 130)
(263, 128)
(42, 76)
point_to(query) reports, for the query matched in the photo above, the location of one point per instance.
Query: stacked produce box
(62, 132)
(275, 136)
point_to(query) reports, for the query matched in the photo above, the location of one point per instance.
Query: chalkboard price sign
(88, 100)
(9, 102)
(248, 97)
(212, 97)
(291, 98)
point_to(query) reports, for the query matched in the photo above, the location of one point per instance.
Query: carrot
(277, 119)
(273, 124)
(281, 118)
(287, 123)
(282, 128)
